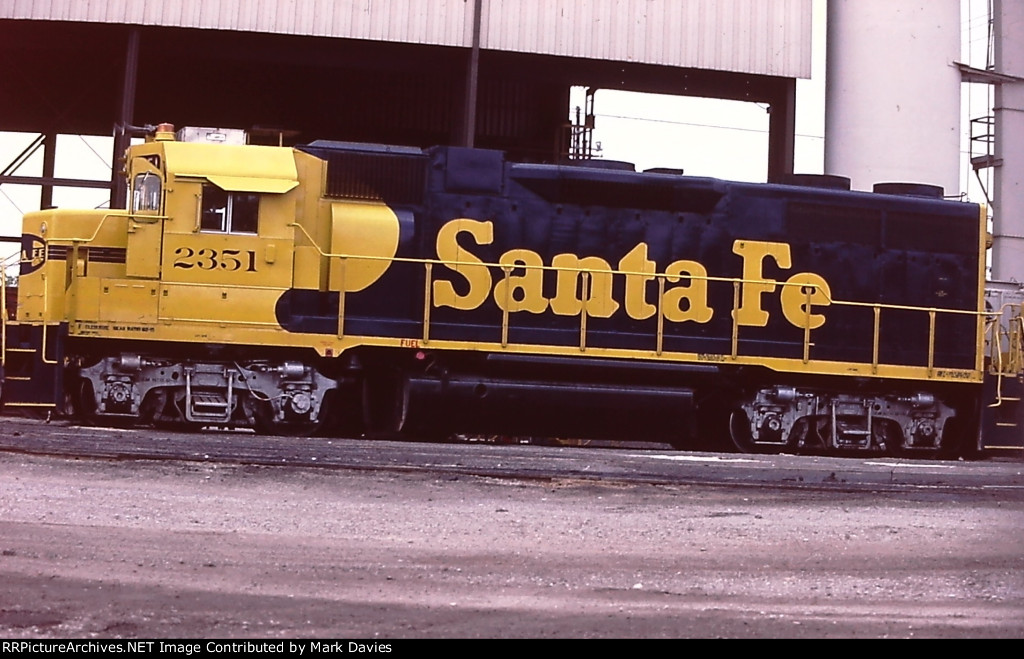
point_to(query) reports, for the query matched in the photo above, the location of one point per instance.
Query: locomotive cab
(153, 313)
(224, 243)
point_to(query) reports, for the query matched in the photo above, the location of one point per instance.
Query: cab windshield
(146, 192)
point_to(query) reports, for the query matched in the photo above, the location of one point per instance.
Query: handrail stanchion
(735, 318)
(428, 269)
(661, 314)
(505, 308)
(876, 339)
(341, 297)
(585, 278)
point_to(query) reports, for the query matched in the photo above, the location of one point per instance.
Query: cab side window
(229, 212)
(146, 192)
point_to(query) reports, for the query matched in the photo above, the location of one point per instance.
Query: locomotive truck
(359, 289)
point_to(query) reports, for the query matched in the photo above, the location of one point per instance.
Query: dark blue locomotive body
(807, 302)
(898, 251)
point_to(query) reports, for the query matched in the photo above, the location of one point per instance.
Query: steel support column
(1008, 179)
(122, 136)
(49, 159)
(782, 131)
(472, 80)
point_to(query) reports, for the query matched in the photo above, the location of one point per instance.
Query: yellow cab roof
(249, 168)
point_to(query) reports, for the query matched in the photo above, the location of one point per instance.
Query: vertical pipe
(122, 139)
(472, 75)
(782, 131)
(49, 158)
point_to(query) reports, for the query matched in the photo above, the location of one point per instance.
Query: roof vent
(600, 163)
(910, 189)
(824, 181)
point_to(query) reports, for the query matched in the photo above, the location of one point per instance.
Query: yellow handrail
(99, 225)
(1011, 361)
(42, 342)
(811, 290)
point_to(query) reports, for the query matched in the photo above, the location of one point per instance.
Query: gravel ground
(140, 549)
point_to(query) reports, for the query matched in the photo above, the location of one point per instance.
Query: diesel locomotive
(357, 289)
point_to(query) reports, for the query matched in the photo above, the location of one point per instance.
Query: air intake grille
(394, 179)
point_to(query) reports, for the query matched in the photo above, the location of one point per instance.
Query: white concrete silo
(892, 95)
(1008, 203)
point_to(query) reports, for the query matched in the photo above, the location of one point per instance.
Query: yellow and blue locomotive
(354, 288)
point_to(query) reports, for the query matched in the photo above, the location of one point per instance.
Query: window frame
(238, 208)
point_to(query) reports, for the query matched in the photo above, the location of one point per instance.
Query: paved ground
(101, 548)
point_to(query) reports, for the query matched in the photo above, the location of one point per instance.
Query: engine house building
(485, 73)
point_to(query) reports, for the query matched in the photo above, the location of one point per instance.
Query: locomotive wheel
(340, 414)
(894, 441)
(739, 431)
(954, 440)
(710, 430)
(83, 401)
(162, 408)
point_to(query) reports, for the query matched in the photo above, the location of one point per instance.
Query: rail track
(639, 463)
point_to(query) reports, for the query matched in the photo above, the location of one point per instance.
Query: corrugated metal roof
(440, 22)
(770, 37)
